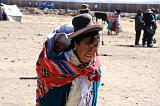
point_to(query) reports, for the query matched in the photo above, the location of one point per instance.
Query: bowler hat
(82, 24)
(84, 7)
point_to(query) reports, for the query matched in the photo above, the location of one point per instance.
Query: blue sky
(114, 1)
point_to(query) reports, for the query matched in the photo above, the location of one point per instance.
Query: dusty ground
(131, 75)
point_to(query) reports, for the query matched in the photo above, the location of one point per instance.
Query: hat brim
(86, 30)
(86, 9)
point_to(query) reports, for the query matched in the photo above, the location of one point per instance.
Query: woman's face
(87, 49)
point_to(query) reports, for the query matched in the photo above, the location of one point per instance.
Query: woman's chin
(88, 60)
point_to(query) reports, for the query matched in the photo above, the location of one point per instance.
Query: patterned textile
(55, 73)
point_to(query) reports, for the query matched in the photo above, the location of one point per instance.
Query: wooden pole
(0, 11)
(102, 38)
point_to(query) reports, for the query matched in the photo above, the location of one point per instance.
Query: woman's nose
(92, 48)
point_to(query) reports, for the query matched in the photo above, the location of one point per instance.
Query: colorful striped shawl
(55, 73)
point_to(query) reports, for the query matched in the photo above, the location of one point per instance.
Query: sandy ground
(131, 75)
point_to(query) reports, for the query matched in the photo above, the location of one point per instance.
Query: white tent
(12, 12)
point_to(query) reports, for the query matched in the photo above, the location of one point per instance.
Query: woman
(72, 78)
(118, 27)
(138, 26)
(149, 29)
(110, 23)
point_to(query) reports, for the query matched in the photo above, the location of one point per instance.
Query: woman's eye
(96, 45)
(86, 43)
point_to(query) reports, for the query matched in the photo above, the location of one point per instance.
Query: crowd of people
(144, 21)
(147, 22)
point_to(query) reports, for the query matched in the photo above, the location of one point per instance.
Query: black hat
(84, 8)
(83, 23)
(118, 11)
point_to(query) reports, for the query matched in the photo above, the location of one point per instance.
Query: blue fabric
(109, 25)
(95, 89)
(154, 16)
(52, 37)
(66, 28)
(56, 97)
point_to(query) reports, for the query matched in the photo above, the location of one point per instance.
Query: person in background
(117, 17)
(84, 9)
(109, 27)
(95, 7)
(72, 78)
(155, 24)
(154, 13)
(138, 26)
(149, 29)
(3, 15)
(110, 23)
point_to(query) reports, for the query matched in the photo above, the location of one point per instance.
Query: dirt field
(131, 75)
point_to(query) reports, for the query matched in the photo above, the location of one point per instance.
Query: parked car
(46, 5)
